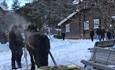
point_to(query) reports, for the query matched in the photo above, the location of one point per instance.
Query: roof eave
(67, 18)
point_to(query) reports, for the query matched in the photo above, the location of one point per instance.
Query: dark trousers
(99, 37)
(91, 37)
(102, 37)
(109, 37)
(63, 36)
(16, 58)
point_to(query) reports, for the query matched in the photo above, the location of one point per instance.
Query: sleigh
(101, 59)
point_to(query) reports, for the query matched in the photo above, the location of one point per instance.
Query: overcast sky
(9, 2)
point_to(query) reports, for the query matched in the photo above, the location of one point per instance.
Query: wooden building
(89, 14)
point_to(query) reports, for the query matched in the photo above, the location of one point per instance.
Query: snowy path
(65, 52)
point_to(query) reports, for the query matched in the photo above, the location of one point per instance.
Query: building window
(96, 23)
(67, 27)
(86, 25)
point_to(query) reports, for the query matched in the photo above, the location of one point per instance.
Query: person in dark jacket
(99, 33)
(63, 34)
(38, 46)
(92, 34)
(109, 35)
(15, 45)
(103, 33)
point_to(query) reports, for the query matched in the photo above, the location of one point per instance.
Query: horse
(38, 46)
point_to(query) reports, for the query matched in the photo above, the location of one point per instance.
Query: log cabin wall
(88, 12)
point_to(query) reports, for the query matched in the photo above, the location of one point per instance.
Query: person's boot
(19, 65)
(14, 68)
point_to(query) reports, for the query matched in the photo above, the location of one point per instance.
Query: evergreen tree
(15, 5)
(4, 5)
(47, 12)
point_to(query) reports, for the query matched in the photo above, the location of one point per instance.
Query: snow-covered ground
(65, 53)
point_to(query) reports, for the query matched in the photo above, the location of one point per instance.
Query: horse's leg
(32, 59)
(32, 62)
(37, 61)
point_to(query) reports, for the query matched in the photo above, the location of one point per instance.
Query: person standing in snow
(63, 34)
(92, 34)
(103, 33)
(15, 45)
(109, 35)
(99, 33)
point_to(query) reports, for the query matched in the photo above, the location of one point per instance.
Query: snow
(76, 1)
(65, 52)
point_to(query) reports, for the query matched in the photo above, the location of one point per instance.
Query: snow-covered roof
(68, 17)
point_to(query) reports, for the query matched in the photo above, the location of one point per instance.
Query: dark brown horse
(38, 46)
